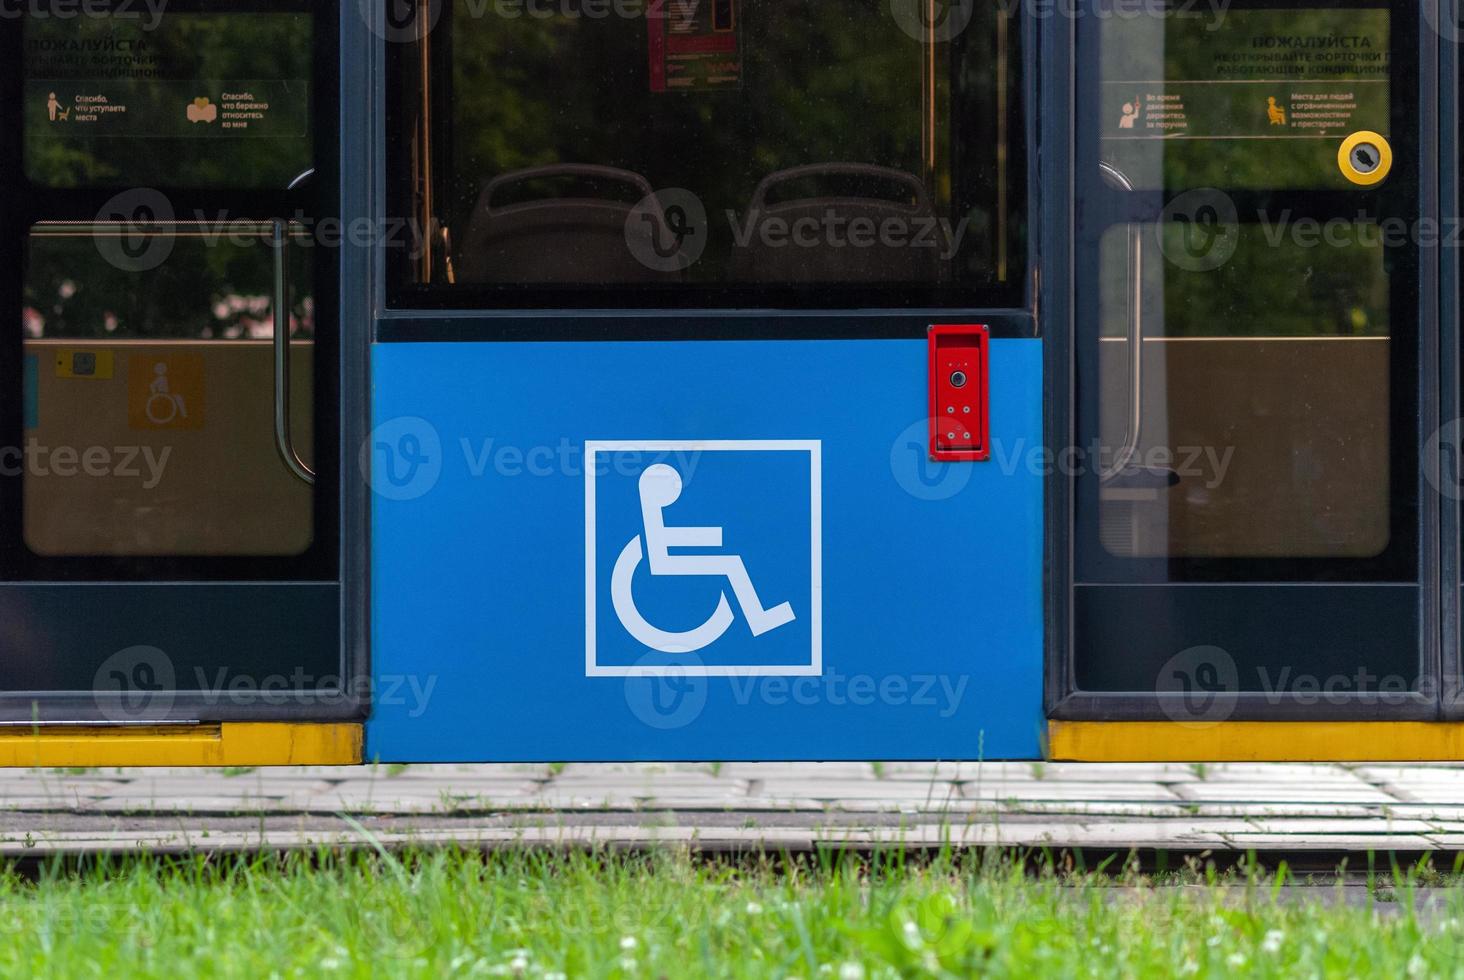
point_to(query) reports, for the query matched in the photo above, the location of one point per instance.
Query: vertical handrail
(426, 189)
(284, 439)
(1135, 336)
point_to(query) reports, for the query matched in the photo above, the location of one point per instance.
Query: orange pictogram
(165, 391)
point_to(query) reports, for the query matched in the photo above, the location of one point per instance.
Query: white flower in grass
(628, 943)
(518, 964)
(851, 971)
(754, 909)
(1236, 959)
(1417, 967)
(1272, 942)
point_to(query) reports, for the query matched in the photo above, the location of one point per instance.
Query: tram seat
(519, 238)
(902, 202)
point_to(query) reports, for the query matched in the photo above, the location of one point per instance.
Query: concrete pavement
(1232, 807)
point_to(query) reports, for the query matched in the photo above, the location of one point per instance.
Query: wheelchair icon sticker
(711, 555)
(165, 391)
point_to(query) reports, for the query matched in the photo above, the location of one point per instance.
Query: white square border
(814, 448)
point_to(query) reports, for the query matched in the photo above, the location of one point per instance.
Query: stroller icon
(659, 487)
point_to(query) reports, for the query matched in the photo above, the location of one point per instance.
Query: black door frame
(1438, 348)
(245, 613)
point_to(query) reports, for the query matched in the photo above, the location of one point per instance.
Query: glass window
(1249, 318)
(1257, 97)
(149, 365)
(1247, 359)
(722, 149)
(176, 98)
(1254, 422)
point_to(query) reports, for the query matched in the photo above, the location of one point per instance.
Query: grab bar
(284, 440)
(1134, 334)
(278, 233)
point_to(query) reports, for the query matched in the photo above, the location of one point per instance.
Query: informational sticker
(184, 101)
(1261, 99)
(145, 110)
(87, 364)
(694, 45)
(30, 382)
(1245, 110)
(165, 391)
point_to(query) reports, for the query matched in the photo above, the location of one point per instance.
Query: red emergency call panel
(959, 423)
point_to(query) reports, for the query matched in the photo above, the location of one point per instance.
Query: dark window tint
(692, 147)
(178, 99)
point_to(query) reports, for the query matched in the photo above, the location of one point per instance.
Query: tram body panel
(926, 612)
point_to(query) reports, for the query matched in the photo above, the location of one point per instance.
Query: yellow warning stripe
(1256, 741)
(226, 744)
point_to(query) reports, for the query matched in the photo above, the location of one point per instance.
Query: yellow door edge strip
(1255, 741)
(226, 744)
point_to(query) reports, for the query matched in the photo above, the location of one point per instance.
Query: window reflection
(187, 100)
(168, 369)
(757, 142)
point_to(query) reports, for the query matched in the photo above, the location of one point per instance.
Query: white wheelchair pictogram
(660, 486)
(163, 404)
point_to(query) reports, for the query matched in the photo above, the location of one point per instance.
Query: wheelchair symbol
(163, 404)
(660, 486)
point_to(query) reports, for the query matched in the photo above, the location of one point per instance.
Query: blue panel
(898, 602)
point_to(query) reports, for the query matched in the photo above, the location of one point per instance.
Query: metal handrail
(279, 239)
(278, 231)
(116, 229)
(1135, 335)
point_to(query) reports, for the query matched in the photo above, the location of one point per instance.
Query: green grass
(539, 914)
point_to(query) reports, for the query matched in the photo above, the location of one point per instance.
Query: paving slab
(876, 789)
(1168, 806)
(1422, 792)
(1323, 828)
(1360, 842)
(1292, 808)
(1042, 789)
(1311, 772)
(1119, 772)
(1283, 790)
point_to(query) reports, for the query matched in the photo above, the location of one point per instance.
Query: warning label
(694, 44)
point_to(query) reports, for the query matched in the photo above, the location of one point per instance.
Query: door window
(1247, 369)
(168, 500)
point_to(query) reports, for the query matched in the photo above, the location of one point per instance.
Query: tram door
(168, 482)
(1254, 366)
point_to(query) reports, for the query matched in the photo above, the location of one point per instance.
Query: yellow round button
(1365, 157)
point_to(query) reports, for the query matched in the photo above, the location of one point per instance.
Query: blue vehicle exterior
(929, 649)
